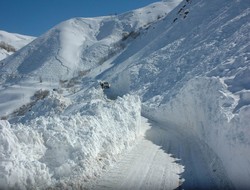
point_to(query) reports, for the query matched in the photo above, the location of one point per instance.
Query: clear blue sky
(35, 17)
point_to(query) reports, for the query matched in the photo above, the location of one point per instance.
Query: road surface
(165, 157)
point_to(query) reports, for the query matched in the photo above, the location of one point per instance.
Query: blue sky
(35, 17)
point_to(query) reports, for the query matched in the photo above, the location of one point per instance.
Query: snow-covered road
(146, 166)
(162, 158)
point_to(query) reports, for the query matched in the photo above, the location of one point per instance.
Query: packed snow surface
(183, 65)
(153, 163)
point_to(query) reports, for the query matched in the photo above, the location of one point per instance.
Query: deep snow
(183, 65)
(60, 151)
(166, 158)
(145, 166)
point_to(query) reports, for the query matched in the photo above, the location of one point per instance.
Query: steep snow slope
(71, 49)
(80, 44)
(193, 72)
(61, 129)
(190, 68)
(10, 43)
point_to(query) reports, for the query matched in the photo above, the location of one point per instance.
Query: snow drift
(67, 150)
(206, 107)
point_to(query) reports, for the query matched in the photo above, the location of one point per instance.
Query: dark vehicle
(105, 85)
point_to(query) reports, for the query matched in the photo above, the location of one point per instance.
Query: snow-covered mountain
(10, 43)
(184, 64)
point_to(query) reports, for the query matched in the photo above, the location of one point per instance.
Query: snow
(194, 73)
(67, 150)
(15, 40)
(166, 157)
(80, 44)
(207, 108)
(146, 166)
(19, 158)
(187, 73)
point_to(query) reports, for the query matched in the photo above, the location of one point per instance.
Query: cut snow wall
(20, 151)
(67, 151)
(205, 106)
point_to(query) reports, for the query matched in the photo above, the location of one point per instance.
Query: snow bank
(21, 150)
(68, 150)
(206, 107)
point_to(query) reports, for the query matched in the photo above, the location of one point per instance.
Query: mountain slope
(80, 44)
(10, 43)
(188, 61)
(57, 134)
(193, 73)
(71, 49)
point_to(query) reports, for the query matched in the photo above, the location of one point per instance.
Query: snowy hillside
(80, 44)
(193, 73)
(9, 43)
(183, 64)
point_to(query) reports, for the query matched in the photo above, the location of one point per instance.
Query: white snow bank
(205, 106)
(70, 149)
(20, 151)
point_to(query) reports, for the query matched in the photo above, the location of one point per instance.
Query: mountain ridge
(70, 41)
(181, 63)
(11, 42)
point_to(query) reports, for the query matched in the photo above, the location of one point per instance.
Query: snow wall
(67, 150)
(205, 106)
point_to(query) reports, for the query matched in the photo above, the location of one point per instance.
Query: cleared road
(165, 158)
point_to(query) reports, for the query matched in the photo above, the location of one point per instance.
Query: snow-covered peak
(80, 44)
(16, 40)
(11, 42)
